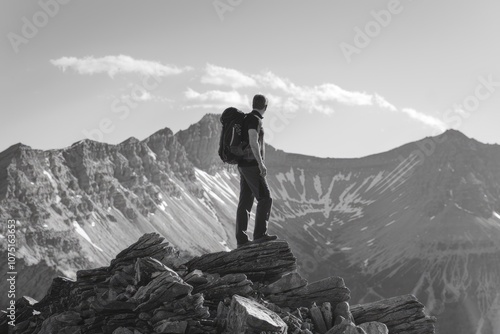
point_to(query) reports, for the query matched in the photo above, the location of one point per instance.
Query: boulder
(171, 327)
(286, 283)
(65, 322)
(217, 288)
(331, 289)
(246, 316)
(317, 318)
(345, 327)
(402, 314)
(266, 262)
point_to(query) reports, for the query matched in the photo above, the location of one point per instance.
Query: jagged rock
(164, 288)
(249, 317)
(342, 311)
(188, 307)
(326, 310)
(217, 288)
(195, 278)
(317, 318)
(265, 262)
(374, 328)
(147, 268)
(331, 289)
(56, 300)
(402, 314)
(171, 327)
(64, 323)
(222, 311)
(123, 330)
(149, 245)
(286, 283)
(293, 322)
(139, 294)
(345, 327)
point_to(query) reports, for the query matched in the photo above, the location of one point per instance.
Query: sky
(343, 78)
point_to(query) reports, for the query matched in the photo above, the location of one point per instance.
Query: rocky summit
(251, 290)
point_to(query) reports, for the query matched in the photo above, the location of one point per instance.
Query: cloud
(284, 95)
(222, 76)
(294, 97)
(426, 119)
(217, 97)
(383, 103)
(113, 65)
(145, 96)
(318, 98)
(271, 80)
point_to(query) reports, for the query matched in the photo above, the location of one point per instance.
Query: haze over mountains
(423, 218)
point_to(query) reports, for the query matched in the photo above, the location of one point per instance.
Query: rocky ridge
(253, 289)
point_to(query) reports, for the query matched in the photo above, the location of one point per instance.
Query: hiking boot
(266, 237)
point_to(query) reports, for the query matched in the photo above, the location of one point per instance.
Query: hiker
(253, 183)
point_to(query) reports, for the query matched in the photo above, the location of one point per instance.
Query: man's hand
(263, 170)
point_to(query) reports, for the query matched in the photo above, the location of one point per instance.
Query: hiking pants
(252, 186)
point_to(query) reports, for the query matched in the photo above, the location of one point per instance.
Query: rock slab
(402, 315)
(249, 317)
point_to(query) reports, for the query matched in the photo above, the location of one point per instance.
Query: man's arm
(253, 138)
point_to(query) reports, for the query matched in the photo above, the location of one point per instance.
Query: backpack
(231, 147)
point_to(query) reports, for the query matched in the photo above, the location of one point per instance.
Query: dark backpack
(231, 146)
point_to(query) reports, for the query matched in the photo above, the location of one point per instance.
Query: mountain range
(421, 219)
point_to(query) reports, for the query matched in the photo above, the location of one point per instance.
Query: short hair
(259, 102)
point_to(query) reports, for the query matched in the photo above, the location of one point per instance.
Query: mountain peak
(86, 142)
(130, 140)
(455, 134)
(162, 132)
(16, 147)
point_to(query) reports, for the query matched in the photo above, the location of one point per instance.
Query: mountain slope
(423, 218)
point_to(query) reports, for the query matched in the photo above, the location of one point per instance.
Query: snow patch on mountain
(389, 224)
(317, 185)
(219, 182)
(151, 153)
(465, 210)
(84, 234)
(163, 205)
(48, 174)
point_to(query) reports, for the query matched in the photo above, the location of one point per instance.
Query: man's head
(259, 103)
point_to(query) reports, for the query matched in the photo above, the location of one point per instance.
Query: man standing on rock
(253, 183)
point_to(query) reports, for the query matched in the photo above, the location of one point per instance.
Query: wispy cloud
(383, 103)
(222, 76)
(431, 121)
(218, 98)
(286, 95)
(145, 96)
(113, 65)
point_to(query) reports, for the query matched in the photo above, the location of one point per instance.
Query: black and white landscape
(421, 219)
(382, 150)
